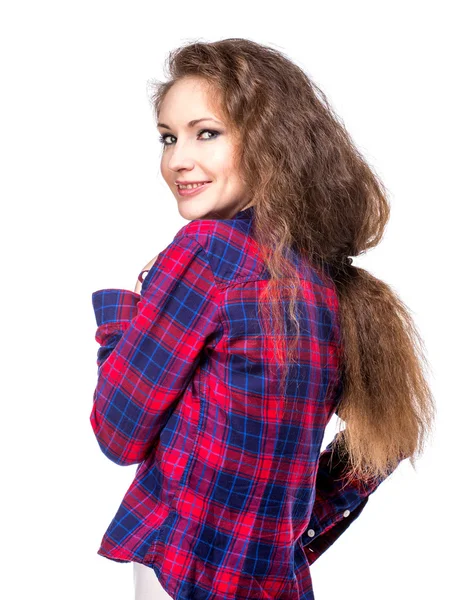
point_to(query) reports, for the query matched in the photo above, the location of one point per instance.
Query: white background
(84, 207)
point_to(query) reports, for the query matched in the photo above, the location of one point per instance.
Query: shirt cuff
(114, 305)
(316, 540)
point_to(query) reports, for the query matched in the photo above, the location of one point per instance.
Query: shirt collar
(246, 213)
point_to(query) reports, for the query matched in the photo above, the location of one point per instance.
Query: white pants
(146, 584)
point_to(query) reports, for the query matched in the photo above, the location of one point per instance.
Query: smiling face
(198, 152)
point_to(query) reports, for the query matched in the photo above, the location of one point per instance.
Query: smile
(192, 191)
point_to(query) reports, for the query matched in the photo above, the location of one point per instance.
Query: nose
(181, 157)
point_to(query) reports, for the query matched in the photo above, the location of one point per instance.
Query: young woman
(218, 375)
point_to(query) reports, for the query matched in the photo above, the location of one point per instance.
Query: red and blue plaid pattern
(232, 497)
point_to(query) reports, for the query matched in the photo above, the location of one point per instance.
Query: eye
(214, 134)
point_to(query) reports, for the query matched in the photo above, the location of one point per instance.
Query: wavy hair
(315, 194)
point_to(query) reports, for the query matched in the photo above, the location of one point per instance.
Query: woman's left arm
(150, 347)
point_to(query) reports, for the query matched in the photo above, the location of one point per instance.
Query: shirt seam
(221, 321)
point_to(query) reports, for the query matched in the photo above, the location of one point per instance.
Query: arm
(336, 504)
(151, 344)
(114, 309)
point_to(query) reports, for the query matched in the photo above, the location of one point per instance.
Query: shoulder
(231, 252)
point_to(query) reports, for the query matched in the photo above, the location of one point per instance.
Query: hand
(138, 287)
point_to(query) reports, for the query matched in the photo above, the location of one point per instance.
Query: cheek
(228, 172)
(219, 158)
(165, 173)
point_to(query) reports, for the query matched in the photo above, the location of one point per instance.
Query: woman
(217, 377)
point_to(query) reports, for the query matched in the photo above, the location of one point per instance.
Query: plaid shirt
(232, 497)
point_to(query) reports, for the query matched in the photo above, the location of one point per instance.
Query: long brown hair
(315, 194)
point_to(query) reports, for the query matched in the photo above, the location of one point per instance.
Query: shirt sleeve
(337, 505)
(150, 346)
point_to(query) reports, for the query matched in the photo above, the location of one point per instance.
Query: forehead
(191, 98)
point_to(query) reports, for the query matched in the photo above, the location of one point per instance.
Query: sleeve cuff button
(346, 513)
(310, 532)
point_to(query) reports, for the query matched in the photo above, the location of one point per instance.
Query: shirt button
(346, 513)
(310, 532)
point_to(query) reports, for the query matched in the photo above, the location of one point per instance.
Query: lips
(191, 182)
(192, 191)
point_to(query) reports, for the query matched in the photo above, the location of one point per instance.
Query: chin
(190, 213)
(190, 210)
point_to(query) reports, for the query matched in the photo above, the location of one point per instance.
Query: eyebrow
(191, 123)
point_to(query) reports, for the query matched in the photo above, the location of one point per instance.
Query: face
(199, 152)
